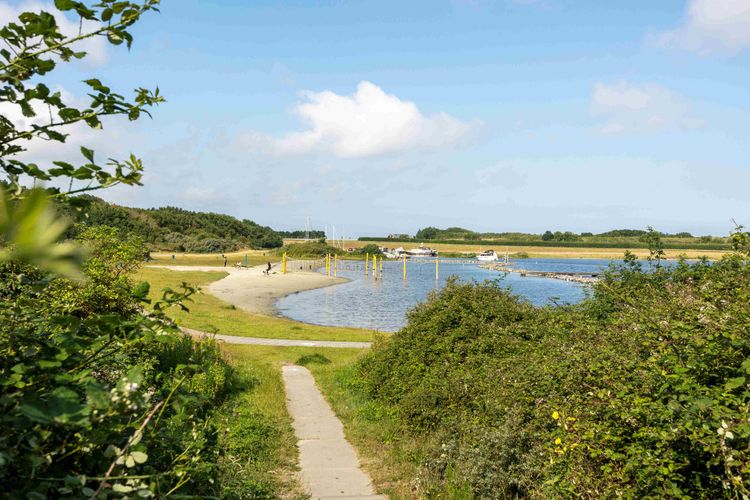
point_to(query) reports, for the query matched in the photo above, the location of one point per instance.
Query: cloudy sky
(386, 116)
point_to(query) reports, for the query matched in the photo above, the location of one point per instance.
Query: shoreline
(257, 293)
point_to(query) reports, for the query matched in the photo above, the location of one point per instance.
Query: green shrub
(309, 249)
(92, 388)
(313, 358)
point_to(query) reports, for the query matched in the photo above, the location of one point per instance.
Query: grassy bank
(260, 454)
(254, 257)
(210, 314)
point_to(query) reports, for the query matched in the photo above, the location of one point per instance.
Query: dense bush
(96, 396)
(640, 391)
(369, 249)
(309, 249)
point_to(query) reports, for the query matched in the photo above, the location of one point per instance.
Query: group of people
(267, 272)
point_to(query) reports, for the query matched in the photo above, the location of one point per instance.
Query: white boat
(395, 253)
(422, 251)
(488, 256)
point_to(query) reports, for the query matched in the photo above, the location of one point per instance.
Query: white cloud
(711, 26)
(95, 47)
(625, 107)
(367, 123)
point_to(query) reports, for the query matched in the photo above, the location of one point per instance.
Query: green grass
(260, 454)
(213, 315)
(254, 258)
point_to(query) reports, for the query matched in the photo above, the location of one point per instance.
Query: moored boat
(422, 251)
(488, 256)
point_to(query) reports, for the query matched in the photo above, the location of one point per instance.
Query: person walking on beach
(225, 260)
(268, 271)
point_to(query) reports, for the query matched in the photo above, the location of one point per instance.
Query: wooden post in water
(381, 267)
(335, 264)
(367, 264)
(283, 263)
(404, 267)
(436, 268)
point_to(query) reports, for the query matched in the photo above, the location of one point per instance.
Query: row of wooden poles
(331, 264)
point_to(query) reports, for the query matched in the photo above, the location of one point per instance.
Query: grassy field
(210, 314)
(258, 440)
(544, 252)
(254, 257)
(383, 453)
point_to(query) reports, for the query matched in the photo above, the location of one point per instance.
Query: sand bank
(255, 292)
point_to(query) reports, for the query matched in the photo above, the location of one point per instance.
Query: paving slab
(328, 463)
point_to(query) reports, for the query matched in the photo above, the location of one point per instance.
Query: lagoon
(382, 304)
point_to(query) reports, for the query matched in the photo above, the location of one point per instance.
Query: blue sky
(382, 117)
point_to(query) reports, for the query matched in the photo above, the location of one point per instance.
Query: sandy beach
(255, 292)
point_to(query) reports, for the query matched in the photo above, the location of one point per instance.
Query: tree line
(176, 229)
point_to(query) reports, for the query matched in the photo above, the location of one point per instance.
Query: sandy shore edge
(253, 291)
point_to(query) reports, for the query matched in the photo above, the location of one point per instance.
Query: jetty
(575, 277)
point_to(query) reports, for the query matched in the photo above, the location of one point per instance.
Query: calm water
(382, 304)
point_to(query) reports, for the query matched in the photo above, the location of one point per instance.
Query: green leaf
(734, 383)
(64, 4)
(114, 38)
(31, 230)
(69, 114)
(88, 154)
(141, 290)
(61, 406)
(139, 457)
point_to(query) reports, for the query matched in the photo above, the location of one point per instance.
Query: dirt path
(328, 463)
(232, 339)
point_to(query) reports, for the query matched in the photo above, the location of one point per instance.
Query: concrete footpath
(232, 339)
(328, 463)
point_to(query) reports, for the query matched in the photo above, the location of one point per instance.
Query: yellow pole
(367, 264)
(381, 266)
(404, 267)
(328, 270)
(283, 263)
(436, 268)
(335, 264)
(375, 266)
